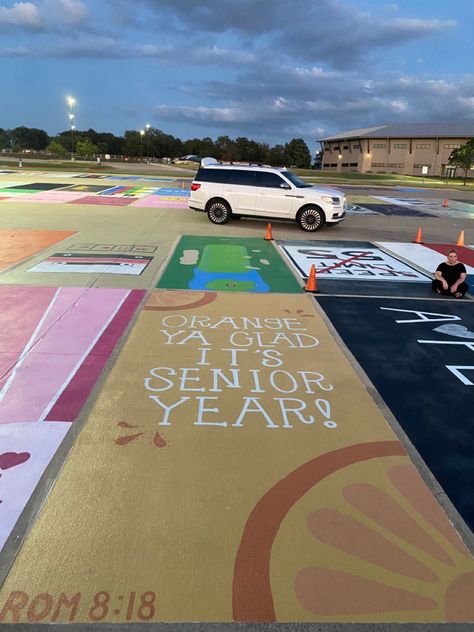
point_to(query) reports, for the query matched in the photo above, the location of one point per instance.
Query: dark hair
(452, 250)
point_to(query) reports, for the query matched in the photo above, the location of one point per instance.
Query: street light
(147, 127)
(71, 101)
(142, 134)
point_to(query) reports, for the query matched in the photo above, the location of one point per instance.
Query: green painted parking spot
(227, 264)
(14, 192)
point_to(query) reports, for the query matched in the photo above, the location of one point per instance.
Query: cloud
(48, 16)
(15, 51)
(328, 31)
(285, 102)
(21, 14)
(71, 12)
(216, 16)
(102, 47)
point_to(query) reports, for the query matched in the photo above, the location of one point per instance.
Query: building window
(398, 165)
(345, 146)
(379, 145)
(345, 164)
(334, 164)
(336, 148)
(378, 164)
(423, 146)
(326, 164)
(400, 146)
(353, 164)
(419, 166)
(452, 146)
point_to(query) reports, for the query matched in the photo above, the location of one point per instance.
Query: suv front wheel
(310, 218)
(219, 212)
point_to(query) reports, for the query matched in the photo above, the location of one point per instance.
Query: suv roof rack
(221, 163)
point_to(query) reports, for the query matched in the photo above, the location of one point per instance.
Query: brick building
(404, 148)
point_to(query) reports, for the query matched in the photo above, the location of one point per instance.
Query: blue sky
(267, 69)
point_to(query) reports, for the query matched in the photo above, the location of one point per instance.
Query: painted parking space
(394, 209)
(426, 351)
(156, 201)
(38, 186)
(355, 267)
(49, 197)
(455, 208)
(227, 264)
(157, 195)
(87, 263)
(54, 343)
(244, 485)
(428, 256)
(18, 244)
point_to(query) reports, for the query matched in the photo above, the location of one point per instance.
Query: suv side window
(270, 180)
(213, 175)
(243, 176)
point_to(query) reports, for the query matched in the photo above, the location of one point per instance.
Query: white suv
(224, 191)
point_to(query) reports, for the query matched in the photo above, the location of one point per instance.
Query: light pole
(71, 101)
(147, 128)
(142, 134)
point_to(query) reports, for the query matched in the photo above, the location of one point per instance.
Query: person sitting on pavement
(450, 277)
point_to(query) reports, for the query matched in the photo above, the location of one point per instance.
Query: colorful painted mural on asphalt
(85, 263)
(355, 267)
(426, 351)
(151, 196)
(455, 208)
(428, 256)
(54, 343)
(257, 467)
(227, 264)
(18, 244)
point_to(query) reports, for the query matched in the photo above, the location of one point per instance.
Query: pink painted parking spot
(29, 448)
(51, 197)
(62, 333)
(154, 201)
(102, 200)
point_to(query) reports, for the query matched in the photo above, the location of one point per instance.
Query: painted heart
(455, 330)
(10, 459)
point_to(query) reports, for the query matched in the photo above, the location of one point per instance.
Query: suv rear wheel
(310, 218)
(219, 211)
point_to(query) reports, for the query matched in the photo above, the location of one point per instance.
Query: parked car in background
(224, 191)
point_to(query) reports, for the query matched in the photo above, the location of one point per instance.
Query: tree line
(154, 143)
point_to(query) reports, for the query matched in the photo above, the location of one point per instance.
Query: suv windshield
(295, 180)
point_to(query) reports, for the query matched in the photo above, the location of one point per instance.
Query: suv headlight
(328, 199)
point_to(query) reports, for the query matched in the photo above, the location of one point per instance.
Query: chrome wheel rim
(218, 213)
(310, 220)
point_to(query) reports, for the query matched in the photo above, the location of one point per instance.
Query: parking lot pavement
(188, 436)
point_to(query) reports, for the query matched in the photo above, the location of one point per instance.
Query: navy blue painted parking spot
(420, 357)
(395, 209)
(356, 268)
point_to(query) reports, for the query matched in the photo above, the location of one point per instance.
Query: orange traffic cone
(445, 203)
(268, 234)
(311, 285)
(418, 237)
(460, 241)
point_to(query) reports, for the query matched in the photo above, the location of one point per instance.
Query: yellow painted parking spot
(227, 463)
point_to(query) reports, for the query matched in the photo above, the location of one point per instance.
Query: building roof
(447, 129)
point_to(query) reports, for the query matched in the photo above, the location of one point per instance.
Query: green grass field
(369, 179)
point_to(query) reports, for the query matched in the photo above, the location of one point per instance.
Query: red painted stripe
(98, 260)
(465, 255)
(77, 391)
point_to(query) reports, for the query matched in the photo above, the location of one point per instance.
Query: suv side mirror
(283, 185)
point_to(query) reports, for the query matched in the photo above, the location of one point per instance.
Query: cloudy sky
(267, 69)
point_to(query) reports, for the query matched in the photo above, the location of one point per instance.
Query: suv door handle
(294, 196)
